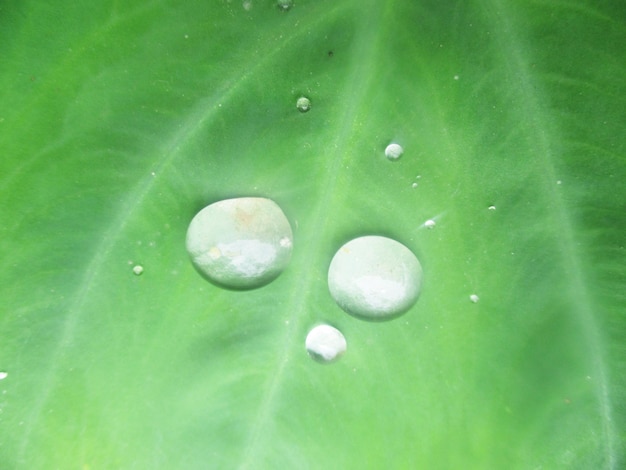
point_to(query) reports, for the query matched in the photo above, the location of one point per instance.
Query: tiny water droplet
(241, 243)
(492, 208)
(247, 5)
(393, 151)
(375, 278)
(3, 375)
(414, 185)
(474, 298)
(138, 270)
(559, 182)
(284, 4)
(303, 104)
(325, 343)
(430, 223)
(456, 77)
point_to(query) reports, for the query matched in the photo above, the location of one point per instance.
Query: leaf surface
(121, 120)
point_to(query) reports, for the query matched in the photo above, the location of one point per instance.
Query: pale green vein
(352, 104)
(528, 95)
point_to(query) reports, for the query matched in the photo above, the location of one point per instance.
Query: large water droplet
(138, 270)
(325, 343)
(375, 278)
(3, 375)
(240, 243)
(303, 104)
(393, 151)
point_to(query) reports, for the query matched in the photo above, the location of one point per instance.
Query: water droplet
(138, 270)
(414, 185)
(456, 77)
(241, 243)
(325, 343)
(375, 278)
(474, 298)
(430, 223)
(284, 4)
(247, 5)
(303, 104)
(3, 375)
(394, 151)
(492, 208)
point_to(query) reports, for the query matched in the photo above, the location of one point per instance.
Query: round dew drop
(325, 343)
(241, 243)
(303, 104)
(284, 4)
(138, 270)
(375, 278)
(393, 151)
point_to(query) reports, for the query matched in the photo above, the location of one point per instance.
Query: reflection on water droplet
(240, 243)
(138, 270)
(284, 4)
(393, 151)
(474, 298)
(247, 5)
(325, 343)
(492, 208)
(414, 185)
(303, 104)
(375, 278)
(3, 375)
(430, 223)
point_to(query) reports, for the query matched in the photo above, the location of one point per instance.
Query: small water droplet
(456, 77)
(284, 4)
(559, 182)
(247, 5)
(430, 223)
(3, 375)
(325, 343)
(414, 185)
(474, 298)
(393, 151)
(241, 243)
(138, 270)
(375, 278)
(303, 104)
(492, 208)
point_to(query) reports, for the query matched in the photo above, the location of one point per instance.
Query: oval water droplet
(303, 104)
(393, 151)
(492, 208)
(474, 298)
(430, 223)
(3, 375)
(284, 4)
(241, 243)
(138, 270)
(325, 343)
(375, 278)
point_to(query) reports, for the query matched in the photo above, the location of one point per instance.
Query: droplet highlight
(325, 343)
(492, 208)
(393, 151)
(474, 298)
(303, 104)
(241, 243)
(284, 4)
(375, 278)
(138, 270)
(3, 375)
(430, 224)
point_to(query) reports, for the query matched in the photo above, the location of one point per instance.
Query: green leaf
(119, 121)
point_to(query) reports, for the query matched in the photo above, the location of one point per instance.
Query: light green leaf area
(119, 121)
